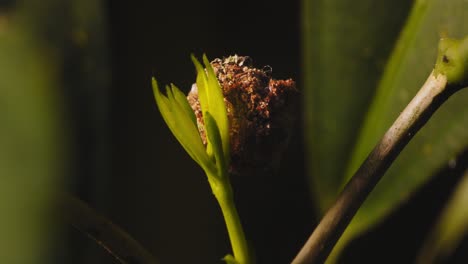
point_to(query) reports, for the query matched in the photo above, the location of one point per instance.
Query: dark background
(152, 188)
(134, 171)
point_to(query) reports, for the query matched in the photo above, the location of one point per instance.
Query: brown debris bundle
(260, 111)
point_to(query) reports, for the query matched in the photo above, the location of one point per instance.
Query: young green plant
(214, 158)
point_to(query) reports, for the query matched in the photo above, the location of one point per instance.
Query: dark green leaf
(345, 46)
(440, 140)
(338, 90)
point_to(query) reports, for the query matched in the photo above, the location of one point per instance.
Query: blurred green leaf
(345, 46)
(29, 145)
(451, 227)
(440, 140)
(333, 111)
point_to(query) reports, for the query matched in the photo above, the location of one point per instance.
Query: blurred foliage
(345, 46)
(450, 228)
(30, 142)
(48, 53)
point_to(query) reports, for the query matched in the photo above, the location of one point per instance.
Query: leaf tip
(197, 63)
(154, 84)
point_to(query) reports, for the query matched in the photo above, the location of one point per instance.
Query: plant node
(452, 61)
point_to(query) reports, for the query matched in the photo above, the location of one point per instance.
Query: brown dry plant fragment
(260, 111)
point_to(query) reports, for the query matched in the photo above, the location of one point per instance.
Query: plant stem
(433, 93)
(223, 193)
(110, 237)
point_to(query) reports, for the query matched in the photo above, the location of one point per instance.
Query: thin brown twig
(431, 96)
(110, 237)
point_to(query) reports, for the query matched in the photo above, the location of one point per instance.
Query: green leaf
(443, 137)
(215, 139)
(183, 103)
(451, 227)
(202, 85)
(180, 121)
(218, 106)
(334, 80)
(211, 99)
(345, 46)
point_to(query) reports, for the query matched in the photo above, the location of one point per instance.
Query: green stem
(223, 193)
